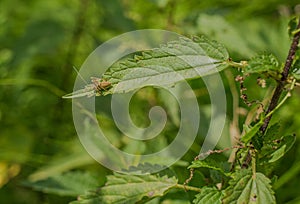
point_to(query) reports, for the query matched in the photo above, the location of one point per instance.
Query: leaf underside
(171, 63)
(164, 66)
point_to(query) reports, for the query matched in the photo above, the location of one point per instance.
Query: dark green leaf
(272, 132)
(68, 184)
(274, 150)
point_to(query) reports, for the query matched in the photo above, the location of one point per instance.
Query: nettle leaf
(164, 66)
(68, 184)
(250, 132)
(272, 132)
(123, 189)
(275, 149)
(263, 63)
(274, 145)
(247, 188)
(144, 168)
(171, 63)
(208, 195)
(210, 164)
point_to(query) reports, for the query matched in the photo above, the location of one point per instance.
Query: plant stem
(189, 188)
(253, 163)
(281, 83)
(236, 64)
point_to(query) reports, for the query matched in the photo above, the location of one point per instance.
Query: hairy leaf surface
(208, 195)
(210, 164)
(247, 188)
(262, 63)
(164, 66)
(128, 189)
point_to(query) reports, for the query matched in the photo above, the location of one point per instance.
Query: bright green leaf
(208, 195)
(246, 188)
(262, 63)
(124, 189)
(251, 132)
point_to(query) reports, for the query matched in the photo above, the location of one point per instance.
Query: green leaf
(272, 132)
(251, 132)
(144, 168)
(210, 164)
(274, 150)
(208, 195)
(124, 189)
(262, 63)
(247, 188)
(171, 63)
(275, 146)
(68, 184)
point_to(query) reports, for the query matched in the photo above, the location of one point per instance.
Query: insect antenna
(88, 90)
(76, 70)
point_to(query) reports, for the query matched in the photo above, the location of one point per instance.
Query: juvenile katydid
(96, 88)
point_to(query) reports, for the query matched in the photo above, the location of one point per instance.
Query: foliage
(245, 185)
(71, 183)
(138, 188)
(41, 160)
(208, 195)
(248, 188)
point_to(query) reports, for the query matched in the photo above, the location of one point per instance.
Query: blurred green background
(41, 41)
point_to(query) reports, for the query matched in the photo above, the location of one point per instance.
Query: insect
(100, 85)
(96, 88)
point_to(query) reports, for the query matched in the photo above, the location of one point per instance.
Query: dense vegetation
(41, 158)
